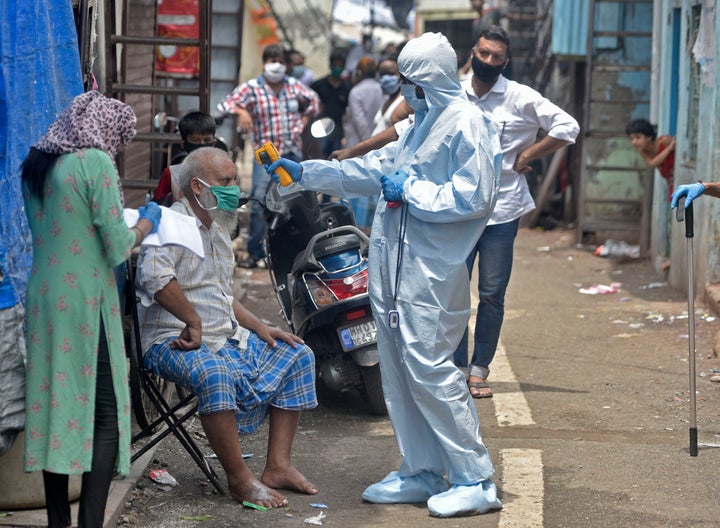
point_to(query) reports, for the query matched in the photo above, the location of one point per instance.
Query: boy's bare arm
(372, 143)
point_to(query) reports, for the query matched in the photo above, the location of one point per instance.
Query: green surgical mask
(337, 72)
(228, 198)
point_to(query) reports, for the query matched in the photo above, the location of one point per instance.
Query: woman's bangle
(140, 232)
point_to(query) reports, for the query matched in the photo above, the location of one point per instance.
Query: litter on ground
(316, 520)
(601, 289)
(161, 476)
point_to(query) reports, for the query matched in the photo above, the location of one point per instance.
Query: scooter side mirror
(244, 198)
(322, 128)
(159, 120)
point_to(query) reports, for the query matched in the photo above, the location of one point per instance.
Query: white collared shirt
(519, 112)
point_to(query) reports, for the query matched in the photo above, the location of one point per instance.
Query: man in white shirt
(518, 112)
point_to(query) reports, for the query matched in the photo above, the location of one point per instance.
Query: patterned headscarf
(91, 121)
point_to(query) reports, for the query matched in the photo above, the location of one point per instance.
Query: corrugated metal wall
(570, 26)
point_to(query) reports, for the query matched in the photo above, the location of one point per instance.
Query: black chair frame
(148, 387)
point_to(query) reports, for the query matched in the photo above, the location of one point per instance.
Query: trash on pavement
(213, 456)
(655, 317)
(161, 476)
(318, 505)
(316, 520)
(601, 289)
(617, 248)
(254, 506)
(654, 285)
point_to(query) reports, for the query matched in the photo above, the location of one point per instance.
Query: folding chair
(152, 394)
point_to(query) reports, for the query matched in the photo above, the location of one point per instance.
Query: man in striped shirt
(272, 107)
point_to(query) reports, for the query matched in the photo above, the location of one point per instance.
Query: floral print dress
(78, 237)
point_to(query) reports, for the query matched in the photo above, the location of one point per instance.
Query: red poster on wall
(178, 18)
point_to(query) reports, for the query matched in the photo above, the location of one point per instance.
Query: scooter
(317, 260)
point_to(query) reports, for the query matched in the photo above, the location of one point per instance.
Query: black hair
(35, 169)
(273, 51)
(196, 123)
(462, 56)
(496, 33)
(337, 56)
(292, 51)
(401, 46)
(641, 126)
(387, 57)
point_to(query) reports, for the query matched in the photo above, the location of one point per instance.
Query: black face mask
(486, 72)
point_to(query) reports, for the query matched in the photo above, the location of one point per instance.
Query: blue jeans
(495, 256)
(258, 226)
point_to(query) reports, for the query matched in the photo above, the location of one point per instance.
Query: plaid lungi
(246, 381)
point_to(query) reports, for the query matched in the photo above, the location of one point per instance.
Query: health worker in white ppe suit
(439, 182)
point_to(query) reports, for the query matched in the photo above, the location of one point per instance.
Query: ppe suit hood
(430, 62)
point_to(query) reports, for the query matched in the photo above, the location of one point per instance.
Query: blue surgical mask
(389, 83)
(298, 71)
(228, 198)
(411, 98)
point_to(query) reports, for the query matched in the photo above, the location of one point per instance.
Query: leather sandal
(480, 389)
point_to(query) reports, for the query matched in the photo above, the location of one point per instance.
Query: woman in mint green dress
(78, 408)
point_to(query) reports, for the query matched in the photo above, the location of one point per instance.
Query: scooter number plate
(358, 335)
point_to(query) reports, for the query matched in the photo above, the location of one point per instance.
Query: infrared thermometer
(268, 154)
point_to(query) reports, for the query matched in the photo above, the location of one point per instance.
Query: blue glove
(152, 213)
(691, 192)
(293, 168)
(392, 186)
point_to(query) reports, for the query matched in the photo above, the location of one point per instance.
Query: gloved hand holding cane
(393, 188)
(152, 213)
(690, 192)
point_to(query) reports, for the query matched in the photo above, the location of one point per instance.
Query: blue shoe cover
(395, 489)
(460, 501)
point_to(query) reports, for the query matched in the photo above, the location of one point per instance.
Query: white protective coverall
(452, 155)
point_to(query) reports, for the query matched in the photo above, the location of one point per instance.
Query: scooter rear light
(327, 291)
(349, 286)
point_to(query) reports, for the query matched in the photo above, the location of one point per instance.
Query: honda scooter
(317, 259)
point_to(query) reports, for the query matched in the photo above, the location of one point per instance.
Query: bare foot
(288, 478)
(257, 493)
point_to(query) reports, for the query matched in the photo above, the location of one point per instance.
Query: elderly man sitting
(197, 335)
